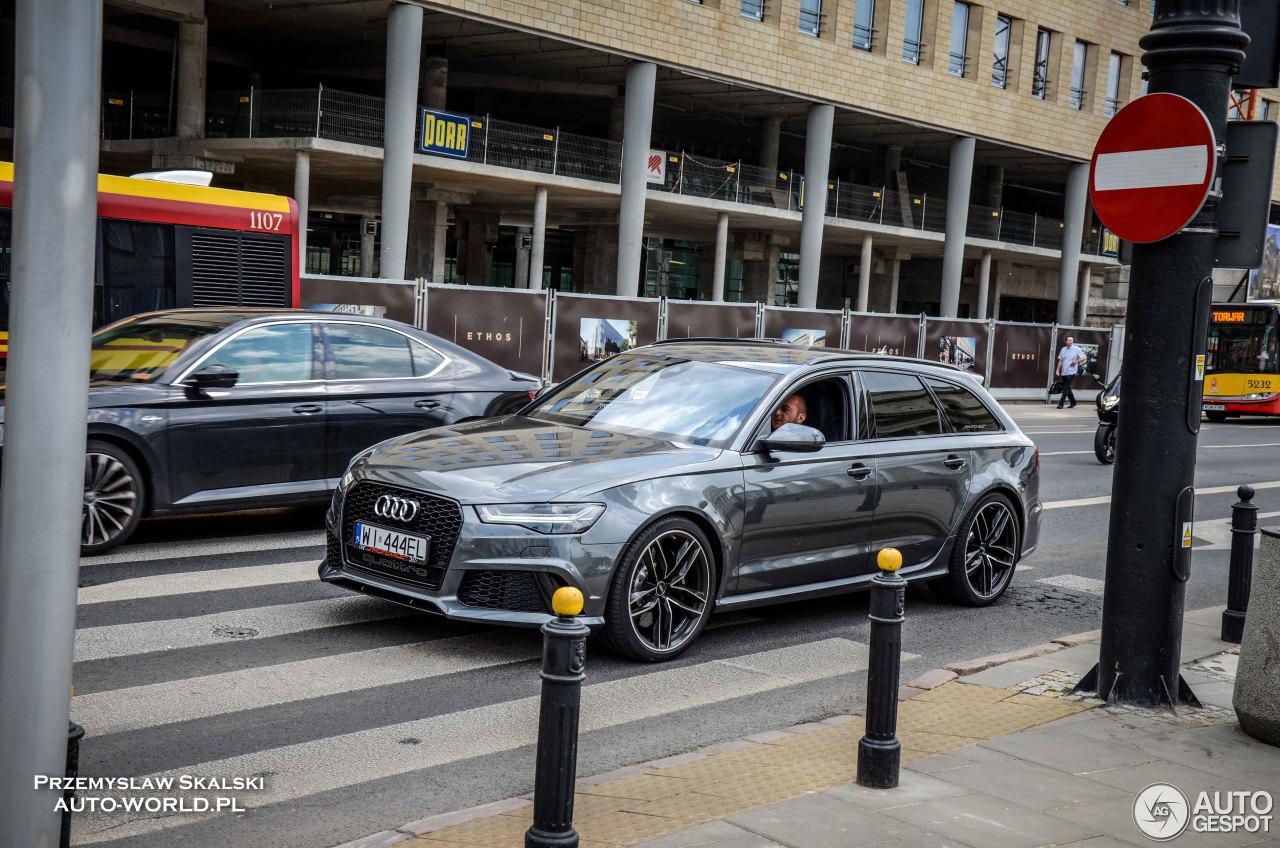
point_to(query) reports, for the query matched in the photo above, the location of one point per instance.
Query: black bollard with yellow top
(879, 752)
(564, 655)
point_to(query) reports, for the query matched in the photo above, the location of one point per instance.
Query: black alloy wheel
(985, 554)
(662, 592)
(1104, 443)
(113, 498)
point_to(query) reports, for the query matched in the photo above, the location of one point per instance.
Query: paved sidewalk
(996, 753)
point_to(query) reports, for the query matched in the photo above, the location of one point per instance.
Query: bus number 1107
(265, 220)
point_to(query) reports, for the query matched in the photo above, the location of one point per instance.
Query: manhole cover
(235, 632)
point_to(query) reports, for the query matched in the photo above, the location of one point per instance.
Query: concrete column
(302, 195)
(520, 274)
(1072, 234)
(57, 64)
(368, 234)
(995, 186)
(817, 160)
(959, 178)
(477, 232)
(439, 241)
(538, 251)
(193, 61)
(1082, 302)
(769, 143)
(895, 274)
(607, 260)
(984, 283)
(864, 274)
(637, 131)
(404, 46)
(427, 216)
(722, 252)
(435, 83)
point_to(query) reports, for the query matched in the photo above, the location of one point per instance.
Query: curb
(926, 682)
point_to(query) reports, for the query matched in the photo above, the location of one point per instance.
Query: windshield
(1242, 349)
(140, 349)
(699, 403)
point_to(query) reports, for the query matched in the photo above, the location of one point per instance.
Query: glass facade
(958, 58)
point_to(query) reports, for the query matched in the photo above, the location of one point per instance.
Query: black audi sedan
(691, 476)
(203, 410)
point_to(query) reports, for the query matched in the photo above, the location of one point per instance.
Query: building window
(811, 17)
(1078, 62)
(753, 9)
(1040, 76)
(1000, 64)
(959, 39)
(912, 46)
(1234, 110)
(1264, 110)
(1114, 68)
(864, 16)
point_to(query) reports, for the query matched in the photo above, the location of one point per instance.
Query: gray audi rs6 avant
(664, 484)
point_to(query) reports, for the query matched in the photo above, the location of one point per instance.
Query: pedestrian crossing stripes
(185, 583)
(1090, 585)
(209, 547)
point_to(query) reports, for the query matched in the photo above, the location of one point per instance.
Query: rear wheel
(985, 554)
(1216, 417)
(1104, 443)
(662, 591)
(113, 498)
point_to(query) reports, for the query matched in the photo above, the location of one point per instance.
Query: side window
(363, 352)
(966, 412)
(277, 353)
(824, 404)
(900, 405)
(425, 360)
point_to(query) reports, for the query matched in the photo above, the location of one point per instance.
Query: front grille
(438, 518)
(517, 591)
(332, 550)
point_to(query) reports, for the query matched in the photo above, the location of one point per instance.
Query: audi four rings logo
(399, 509)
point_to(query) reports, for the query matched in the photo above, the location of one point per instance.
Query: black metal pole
(74, 734)
(564, 655)
(879, 751)
(1193, 50)
(1244, 526)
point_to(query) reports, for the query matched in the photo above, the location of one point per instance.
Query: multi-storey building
(896, 155)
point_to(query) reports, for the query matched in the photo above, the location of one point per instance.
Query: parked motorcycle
(1108, 404)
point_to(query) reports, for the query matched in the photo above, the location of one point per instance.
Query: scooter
(1108, 404)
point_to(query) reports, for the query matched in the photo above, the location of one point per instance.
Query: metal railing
(358, 118)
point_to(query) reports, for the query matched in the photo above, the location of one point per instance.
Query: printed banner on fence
(656, 169)
(1021, 358)
(962, 344)
(445, 134)
(690, 319)
(381, 300)
(589, 329)
(812, 328)
(506, 326)
(884, 334)
(1096, 345)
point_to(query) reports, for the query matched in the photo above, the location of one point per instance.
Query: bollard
(74, 734)
(563, 669)
(879, 752)
(1244, 526)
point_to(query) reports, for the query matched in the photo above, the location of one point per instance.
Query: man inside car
(793, 410)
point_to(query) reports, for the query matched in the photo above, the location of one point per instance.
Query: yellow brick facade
(714, 38)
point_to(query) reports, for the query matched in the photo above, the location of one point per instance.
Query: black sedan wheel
(113, 498)
(985, 554)
(661, 595)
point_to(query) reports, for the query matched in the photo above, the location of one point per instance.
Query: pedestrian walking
(1070, 358)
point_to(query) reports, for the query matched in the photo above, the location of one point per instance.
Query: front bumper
(496, 574)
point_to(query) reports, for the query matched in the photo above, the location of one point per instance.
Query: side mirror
(795, 438)
(212, 377)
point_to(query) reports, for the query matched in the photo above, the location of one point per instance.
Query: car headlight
(544, 517)
(348, 476)
(1109, 402)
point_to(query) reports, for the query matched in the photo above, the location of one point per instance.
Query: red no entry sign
(1152, 167)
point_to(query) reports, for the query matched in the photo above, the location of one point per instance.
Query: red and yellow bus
(165, 244)
(1242, 373)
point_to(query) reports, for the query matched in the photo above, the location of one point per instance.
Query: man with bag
(1070, 358)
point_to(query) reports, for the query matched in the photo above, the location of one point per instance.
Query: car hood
(519, 459)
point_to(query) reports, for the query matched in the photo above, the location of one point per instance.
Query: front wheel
(1216, 417)
(1104, 443)
(113, 498)
(662, 592)
(985, 554)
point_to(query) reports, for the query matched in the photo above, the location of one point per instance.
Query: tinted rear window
(900, 406)
(966, 412)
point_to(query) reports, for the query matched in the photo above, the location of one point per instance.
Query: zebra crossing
(190, 662)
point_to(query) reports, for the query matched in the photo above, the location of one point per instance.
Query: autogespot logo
(1161, 811)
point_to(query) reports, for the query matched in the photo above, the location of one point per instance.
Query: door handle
(426, 404)
(953, 461)
(858, 471)
(308, 409)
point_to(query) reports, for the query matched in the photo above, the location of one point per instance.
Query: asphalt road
(207, 647)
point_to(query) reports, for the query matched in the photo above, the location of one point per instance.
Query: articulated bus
(165, 244)
(1242, 373)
